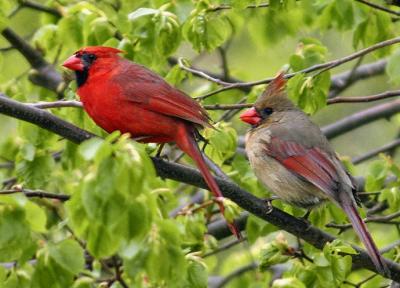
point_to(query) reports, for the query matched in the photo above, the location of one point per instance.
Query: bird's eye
(267, 111)
(92, 57)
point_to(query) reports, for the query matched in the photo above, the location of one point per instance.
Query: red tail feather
(188, 144)
(362, 232)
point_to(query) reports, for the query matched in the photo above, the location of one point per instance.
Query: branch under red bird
(120, 95)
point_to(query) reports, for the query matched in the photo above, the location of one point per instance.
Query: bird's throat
(81, 76)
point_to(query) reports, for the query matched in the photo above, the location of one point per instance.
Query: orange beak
(74, 63)
(250, 116)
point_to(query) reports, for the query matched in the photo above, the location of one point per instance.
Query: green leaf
(393, 67)
(392, 197)
(197, 274)
(36, 217)
(45, 39)
(274, 252)
(91, 147)
(223, 142)
(288, 283)
(308, 93)
(35, 173)
(377, 173)
(309, 52)
(101, 31)
(142, 12)
(205, 31)
(15, 234)
(69, 255)
(17, 279)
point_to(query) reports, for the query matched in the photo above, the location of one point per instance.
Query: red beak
(73, 63)
(250, 116)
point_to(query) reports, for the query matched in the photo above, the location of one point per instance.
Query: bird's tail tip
(361, 230)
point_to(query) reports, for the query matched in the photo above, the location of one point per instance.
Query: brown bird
(290, 155)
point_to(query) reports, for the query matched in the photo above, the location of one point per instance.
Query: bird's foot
(159, 150)
(304, 218)
(268, 202)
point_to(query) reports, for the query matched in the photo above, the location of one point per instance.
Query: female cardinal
(121, 95)
(291, 156)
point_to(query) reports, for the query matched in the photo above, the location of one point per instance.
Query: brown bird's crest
(275, 96)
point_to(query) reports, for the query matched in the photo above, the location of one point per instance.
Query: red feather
(121, 95)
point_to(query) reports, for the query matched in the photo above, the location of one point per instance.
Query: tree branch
(342, 81)
(191, 176)
(323, 66)
(35, 193)
(236, 273)
(45, 76)
(41, 8)
(378, 7)
(227, 7)
(361, 118)
(372, 153)
(201, 74)
(335, 100)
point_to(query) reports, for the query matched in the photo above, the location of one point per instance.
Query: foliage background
(116, 230)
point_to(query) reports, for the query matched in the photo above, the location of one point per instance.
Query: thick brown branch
(191, 176)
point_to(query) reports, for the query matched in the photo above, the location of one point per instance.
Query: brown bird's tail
(362, 232)
(188, 144)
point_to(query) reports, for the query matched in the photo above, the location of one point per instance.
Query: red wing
(310, 163)
(146, 88)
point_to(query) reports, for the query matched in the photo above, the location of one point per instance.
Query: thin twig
(39, 7)
(390, 247)
(118, 274)
(361, 118)
(35, 193)
(325, 66)
(224, 247)
(386, 219)
(56, 104)
(363, 99)
(227, 7)
(342, 81)
(236, 273)
(224, 62)
(201, 73)
(6, 49)
(378, 7)
(359, 99)
(374, 152)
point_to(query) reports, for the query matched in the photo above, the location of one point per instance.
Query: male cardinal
(290, 155)
(121, 95)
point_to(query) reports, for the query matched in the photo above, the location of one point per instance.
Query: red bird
(120, 95)
(291, 156)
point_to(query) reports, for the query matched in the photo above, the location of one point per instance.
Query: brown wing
(311, 164)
